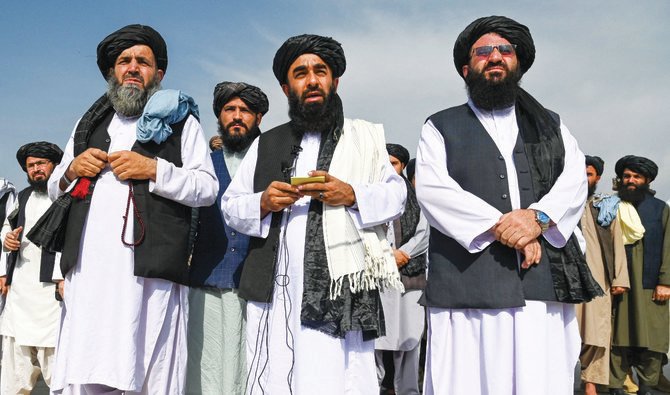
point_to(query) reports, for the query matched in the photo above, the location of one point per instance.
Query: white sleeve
(450, 209)
(61, 168)
(380, 202)
(418, 244)
(240, 205)
(564, 203)
(195, 183)
(57, 275)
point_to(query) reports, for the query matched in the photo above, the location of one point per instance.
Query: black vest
(490, 278)
(3, 206)
(48, 258)
(651, 214)
(275, 156)
(165, 250)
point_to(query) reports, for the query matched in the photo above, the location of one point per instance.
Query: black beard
(633, 196)
(129, 100)
(39, 186)
(493, 95)
(314, 117)
(238, 142)
(592, 190)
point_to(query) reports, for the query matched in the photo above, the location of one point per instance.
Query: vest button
(107, 140)
(504, 196)
(232, 233)
(232, 249)
(500, 157)
(502, 176)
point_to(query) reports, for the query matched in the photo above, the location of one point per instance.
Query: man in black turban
(500, 178)
(31, 313)
(594, 169)
(239, 108)
(216, 341)
(641, 322)
(398, 155)
(127, 202)
(295, 193)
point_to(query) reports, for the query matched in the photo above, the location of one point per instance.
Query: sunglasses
(487, 50)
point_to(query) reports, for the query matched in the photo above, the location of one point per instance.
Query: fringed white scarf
(363, 256)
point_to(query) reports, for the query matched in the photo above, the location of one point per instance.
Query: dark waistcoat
(165, 250)
(220, 250)
(490, 278)
(48, 259)
(651, 213)
(276, 155)
(3, 206)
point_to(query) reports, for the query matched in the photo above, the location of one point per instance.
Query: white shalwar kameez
(29, 322)
(517, 351)
(279, 350)
(120, 332)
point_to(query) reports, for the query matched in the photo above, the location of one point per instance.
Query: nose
(495, 55)
(133, 65)
(238, 114)
(312, 80)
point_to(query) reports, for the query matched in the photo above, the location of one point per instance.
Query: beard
(591, 190)
(129, 100)
(237, 142)
(39, 186)
(314, 117)
(493, 95)
(633, 196)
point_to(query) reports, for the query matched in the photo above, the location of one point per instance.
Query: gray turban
(111, 47)
(511, 30)
(251, 96)
(39, 149)
(597, 163)
(324, 47)
(638, 164)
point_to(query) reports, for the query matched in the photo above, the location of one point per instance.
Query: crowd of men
(302, 260)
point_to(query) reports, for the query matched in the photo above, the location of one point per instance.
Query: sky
(602, 65)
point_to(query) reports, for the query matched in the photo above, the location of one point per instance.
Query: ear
(336, 81)
(160, 73)
(597, 178)
(284, 87)
(464, 70)
(259, 117)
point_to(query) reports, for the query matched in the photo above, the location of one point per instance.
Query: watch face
(542, 217)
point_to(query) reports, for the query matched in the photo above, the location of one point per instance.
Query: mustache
(133, 74)
(312, 90)
(236, 123)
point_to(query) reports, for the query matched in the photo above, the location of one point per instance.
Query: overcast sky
(602, 65)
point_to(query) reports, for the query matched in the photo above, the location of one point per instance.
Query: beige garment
(21, 366)
(595, 317)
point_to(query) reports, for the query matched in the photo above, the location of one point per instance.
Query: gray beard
(129, 100)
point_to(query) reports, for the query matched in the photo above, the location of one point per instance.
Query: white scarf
(364, 256)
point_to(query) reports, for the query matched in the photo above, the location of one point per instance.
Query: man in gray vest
(216, 341)
(502, 183)
(29, 322)
(135, 165)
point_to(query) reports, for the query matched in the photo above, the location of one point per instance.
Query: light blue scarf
(607, 205)
(164, 108)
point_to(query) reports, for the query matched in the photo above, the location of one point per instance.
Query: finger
(316, 173)
(98, 154)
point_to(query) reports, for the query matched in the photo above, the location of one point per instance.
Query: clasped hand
(125, 165)
(518, 229)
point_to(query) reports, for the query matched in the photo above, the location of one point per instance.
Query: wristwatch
(543, 220)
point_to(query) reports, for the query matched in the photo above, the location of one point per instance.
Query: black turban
(597, 163)
(507, 28)
(39, 149)
(638, 164)
(411, 168)
(250, 95)
(324, 47)
(111, 47)
(399, 152)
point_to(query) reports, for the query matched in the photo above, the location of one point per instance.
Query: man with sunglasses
(502, 184)
(29, 322)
